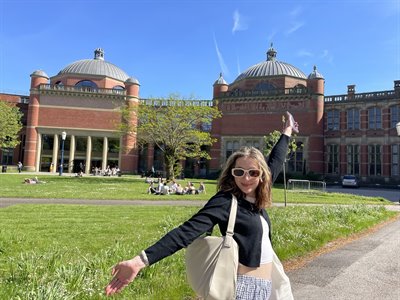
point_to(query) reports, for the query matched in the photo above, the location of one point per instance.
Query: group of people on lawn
(164, 187)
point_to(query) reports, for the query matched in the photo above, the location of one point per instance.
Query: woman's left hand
(124, 273)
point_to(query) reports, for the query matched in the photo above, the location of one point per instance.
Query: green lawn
(66, 251)
(134, 188)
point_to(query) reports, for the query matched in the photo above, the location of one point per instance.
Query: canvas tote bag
(281, 289)
(212, 263)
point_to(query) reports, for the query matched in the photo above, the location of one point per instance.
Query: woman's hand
(124, 273)
(290, 124)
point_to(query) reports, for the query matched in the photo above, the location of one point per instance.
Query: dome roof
(271, 67)
(315, 74)
(40, 73)
(132, 80)
(220, 80)
(96, 66)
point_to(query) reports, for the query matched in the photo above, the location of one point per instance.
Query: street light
(63, 136)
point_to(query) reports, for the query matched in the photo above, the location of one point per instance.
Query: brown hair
(226, 181)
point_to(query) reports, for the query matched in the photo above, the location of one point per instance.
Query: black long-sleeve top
(248, 229)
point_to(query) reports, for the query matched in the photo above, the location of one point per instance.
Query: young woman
(249, 177)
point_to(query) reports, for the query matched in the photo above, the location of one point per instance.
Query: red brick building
(343, 134)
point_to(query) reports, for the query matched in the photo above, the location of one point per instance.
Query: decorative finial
(99, 54)
(271, 53)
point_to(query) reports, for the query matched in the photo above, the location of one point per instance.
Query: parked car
(350, 181)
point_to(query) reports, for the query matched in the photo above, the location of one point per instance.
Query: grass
(66, 251)
(134, 188)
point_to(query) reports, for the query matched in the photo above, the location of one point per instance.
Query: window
(86, 85)
(374, 118)
(206, 127)
(394, 115)
(353, 119)
(295, 160)
(231, 146)
(374, 160)
(353, 159)
(7, 156)
(333, 119)
(333, 159)
(395, 160)
(253, 143)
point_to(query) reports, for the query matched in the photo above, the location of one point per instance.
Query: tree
(174, 127)
(10, 125)
(271, 139)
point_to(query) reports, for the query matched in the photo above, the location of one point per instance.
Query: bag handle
(231, 222)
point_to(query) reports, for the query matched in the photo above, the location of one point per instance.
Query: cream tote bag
(281, 288)
(212, 263)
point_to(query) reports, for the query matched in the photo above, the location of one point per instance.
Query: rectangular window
(295, 159)
(229, 149)
(353, 119)
(374, 160)
(374, 118)
(7, 156)
(333, 159)
(353, 159)
(395, 160)
(333, 120)
(394, 115)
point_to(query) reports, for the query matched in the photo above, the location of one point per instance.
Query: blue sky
(182, 46)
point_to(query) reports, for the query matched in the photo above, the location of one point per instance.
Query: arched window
(59, 84)
(118, 87)
(86, 85)
(264, 86)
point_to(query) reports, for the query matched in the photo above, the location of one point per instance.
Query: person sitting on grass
(201, 189)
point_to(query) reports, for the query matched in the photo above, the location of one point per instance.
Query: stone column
(105, 151)
(38, 151)
(71, 154)
(88, 154)
(55, 153)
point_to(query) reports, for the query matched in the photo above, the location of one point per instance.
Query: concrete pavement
(365, 269)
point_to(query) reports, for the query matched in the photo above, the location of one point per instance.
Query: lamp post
(63, 136)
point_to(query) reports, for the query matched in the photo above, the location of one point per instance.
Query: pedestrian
(249, 177)
(19, 166)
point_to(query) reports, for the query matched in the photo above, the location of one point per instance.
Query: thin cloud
(295, 12)
(271, 36)
(296, 26)
(238, 22)
(222, 65)
(303, 53)
(327, 56)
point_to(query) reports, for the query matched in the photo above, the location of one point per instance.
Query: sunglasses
(239, 172)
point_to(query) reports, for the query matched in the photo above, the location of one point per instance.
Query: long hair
(226, 181)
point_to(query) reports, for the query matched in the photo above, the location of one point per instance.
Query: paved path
(365, 269)
(4, 202)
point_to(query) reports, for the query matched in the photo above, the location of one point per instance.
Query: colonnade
(71, 153)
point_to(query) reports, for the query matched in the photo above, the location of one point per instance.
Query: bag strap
(232, 217)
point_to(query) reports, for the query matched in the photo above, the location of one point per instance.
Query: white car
(349, 181)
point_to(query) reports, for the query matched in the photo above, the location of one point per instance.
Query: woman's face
(246, 183)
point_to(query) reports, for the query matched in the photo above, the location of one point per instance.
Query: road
(389, 194)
